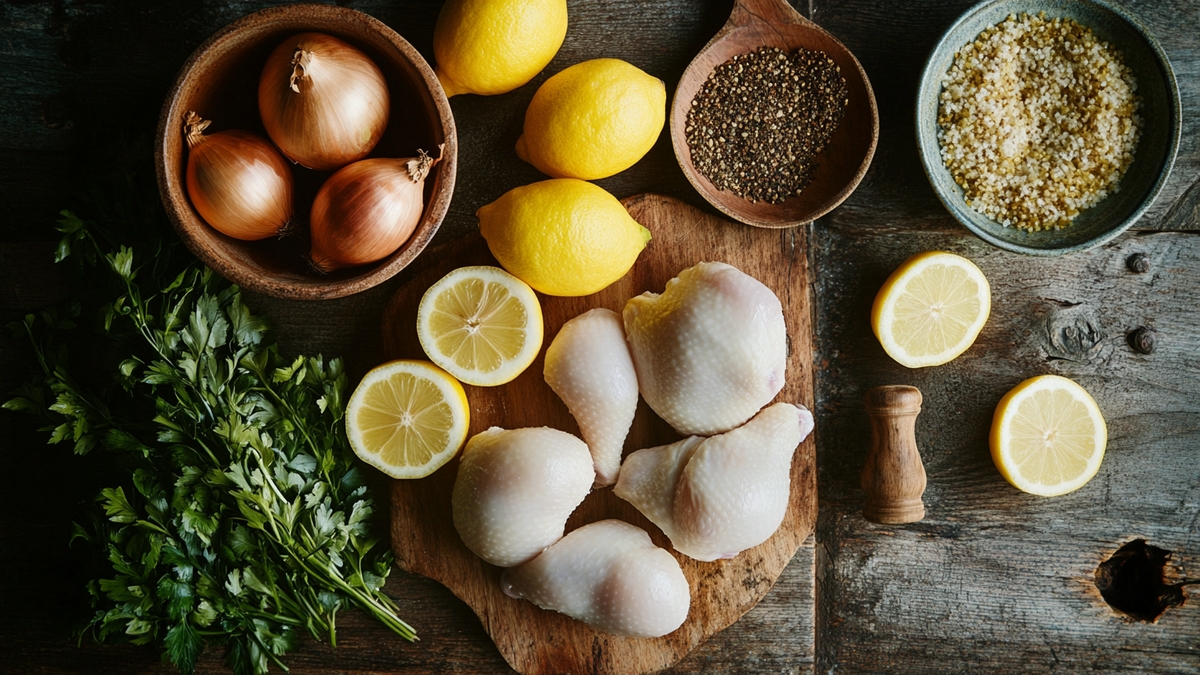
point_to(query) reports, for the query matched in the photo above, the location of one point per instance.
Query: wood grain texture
(991, 581)
(533, 640)
(994, 579)
(893, 476)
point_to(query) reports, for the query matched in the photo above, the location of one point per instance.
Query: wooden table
(992, 580)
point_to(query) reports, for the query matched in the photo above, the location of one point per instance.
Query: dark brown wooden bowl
(843, 163)
(220, 82)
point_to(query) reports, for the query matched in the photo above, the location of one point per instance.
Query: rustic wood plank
(78, 76)
(74, 76)
(452, 640)
(992, 577)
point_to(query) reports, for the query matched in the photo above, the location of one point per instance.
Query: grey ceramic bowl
(1153, 158)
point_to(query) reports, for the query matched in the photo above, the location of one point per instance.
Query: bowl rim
(930, 80)
(431, 219)
(701, 183)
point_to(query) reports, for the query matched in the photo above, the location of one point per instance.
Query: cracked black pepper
(760, 120)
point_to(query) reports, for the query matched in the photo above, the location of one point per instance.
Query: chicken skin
(715, 497)
(610, 576)
(588, 365)
(710, 351)
(515, 489)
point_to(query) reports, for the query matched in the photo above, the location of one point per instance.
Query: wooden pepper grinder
(893, 476)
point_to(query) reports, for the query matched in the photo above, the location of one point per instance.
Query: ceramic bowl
(1153, 158)
(220, 82)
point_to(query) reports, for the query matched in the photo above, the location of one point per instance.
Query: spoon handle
(771, 12)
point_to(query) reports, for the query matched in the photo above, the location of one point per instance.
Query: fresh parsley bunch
(244, 520)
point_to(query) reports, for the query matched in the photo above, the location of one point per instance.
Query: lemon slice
(1048, 436)
(931, 309)
(481, 324)
(407, 418)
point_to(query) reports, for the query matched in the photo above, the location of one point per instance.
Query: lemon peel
(562, 236)
(491, 47)
(593, 120)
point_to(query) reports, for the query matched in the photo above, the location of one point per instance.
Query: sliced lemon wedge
(1048, 436)
(931, 309)
(481, 324)
(407, 418)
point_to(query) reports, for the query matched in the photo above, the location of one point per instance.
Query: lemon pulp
(1048, 436)
(480, 324)
(931, 309)
(407, 418)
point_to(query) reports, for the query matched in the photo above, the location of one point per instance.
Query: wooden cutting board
(536, 641)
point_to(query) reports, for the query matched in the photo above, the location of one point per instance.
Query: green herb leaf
(117, 507)
(184, 644)
(178, 597)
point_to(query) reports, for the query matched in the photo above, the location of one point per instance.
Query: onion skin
(366, 211)
(238, 182)
(322, 101)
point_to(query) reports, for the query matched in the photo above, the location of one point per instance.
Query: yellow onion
(323, 102)
(367, 210)
(238, 182)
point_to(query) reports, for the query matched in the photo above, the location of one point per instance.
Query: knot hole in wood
(1131, 581)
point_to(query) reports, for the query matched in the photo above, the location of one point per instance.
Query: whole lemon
(494, 46)
(562, 236)
(593, 120)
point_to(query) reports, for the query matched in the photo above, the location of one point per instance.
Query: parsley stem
(270, 654)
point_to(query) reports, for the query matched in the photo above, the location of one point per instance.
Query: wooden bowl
(220, 82)
(843, 163)
(1153, 158)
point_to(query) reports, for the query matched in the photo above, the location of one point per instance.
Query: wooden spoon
(840, 167)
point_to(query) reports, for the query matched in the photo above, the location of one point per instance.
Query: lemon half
(407, 418)
(1048, 436)
(931, 309)
(481, 324)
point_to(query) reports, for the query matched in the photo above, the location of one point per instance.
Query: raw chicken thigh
(710, 351)
(515, 489)
(715, 497)
(610, 576)
(588, 365)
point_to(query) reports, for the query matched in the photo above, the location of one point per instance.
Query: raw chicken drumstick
(610, 576)
(710, 351)
(715, 497)
(588, 365)
(515, 489)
